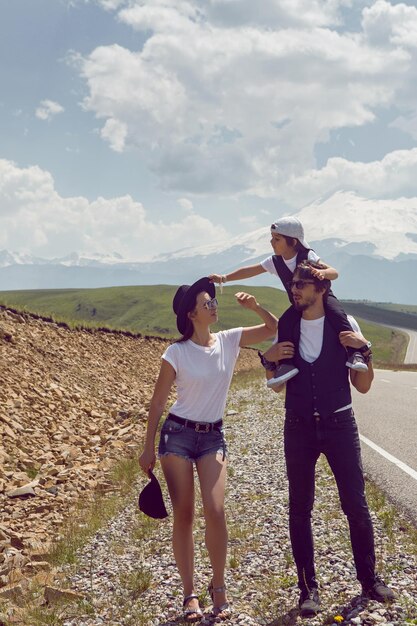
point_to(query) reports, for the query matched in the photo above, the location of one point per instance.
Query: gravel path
(129, 575)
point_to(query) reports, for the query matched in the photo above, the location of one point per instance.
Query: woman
(201, 364)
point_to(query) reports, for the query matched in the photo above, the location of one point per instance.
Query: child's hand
(215, 278)
(246, 300)
(320, 274)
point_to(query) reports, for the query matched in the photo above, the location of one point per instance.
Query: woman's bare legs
(180, 480)
(211, 471)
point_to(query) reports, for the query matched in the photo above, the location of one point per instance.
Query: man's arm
(362, 381)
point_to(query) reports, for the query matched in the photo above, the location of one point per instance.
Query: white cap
(290, 227)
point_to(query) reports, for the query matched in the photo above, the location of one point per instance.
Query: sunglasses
(299, 284)
(211, 304)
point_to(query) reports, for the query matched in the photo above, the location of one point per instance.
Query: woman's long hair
(189, 328)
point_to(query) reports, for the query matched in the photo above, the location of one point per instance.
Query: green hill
(400, 315)
(141, 309)
(148, 310)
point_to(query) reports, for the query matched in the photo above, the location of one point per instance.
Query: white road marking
(389, 456)
(384, 380)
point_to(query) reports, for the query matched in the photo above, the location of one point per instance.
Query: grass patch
(234, 560)
(86, 520)
(124, 473)
(136, 582)
(90, 516)
(32, 472)
(376, 498)
(143, 529)
(33, 610)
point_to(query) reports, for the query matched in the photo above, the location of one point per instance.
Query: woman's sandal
(225, 610)
(191, 615)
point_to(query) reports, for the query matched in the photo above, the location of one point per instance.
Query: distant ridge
(373, 245)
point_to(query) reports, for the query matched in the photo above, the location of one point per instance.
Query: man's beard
(302, 306)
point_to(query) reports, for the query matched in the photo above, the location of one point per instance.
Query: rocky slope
(72, 402)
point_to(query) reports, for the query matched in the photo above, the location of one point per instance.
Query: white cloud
(277, 13)
(384, 223)
(111, 5)
(47, 109)
(217, 102)
(35, 218)
(186, 204)
(407, 123)
(251, 221)
(115, 132)
(386, 24)
(394, 175)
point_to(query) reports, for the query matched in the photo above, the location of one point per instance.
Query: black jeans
(334, 313)
(336, 437)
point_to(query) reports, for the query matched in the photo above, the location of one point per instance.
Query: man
(319, 419)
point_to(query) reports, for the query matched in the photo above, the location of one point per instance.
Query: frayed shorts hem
(188, 458)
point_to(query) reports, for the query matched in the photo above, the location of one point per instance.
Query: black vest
(284, 272)
(322, 386)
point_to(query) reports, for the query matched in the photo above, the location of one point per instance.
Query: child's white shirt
(268, 264)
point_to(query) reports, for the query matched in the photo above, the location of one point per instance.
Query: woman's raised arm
(256, 334)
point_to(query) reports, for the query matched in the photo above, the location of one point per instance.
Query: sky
(145, 126)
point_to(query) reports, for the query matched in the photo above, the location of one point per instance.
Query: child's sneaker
(284, 372)
(357, 362)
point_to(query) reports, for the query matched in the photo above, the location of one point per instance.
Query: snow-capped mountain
(74, 259)
(389, 225)
(356, 225)
(372, 243)
(16, 258)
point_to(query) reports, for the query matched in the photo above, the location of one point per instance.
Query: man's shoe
(357, 362)
(309, 603)
(284, 372)
(378, 591)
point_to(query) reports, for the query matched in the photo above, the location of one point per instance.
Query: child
(290, 248)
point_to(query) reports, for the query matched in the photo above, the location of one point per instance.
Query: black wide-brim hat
(151, 501)
(184, 298)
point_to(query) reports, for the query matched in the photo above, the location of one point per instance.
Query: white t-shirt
(311, 341)
(268, 264)
(203, 375)
(311, 337)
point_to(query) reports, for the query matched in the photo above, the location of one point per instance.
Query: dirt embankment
(72, 402)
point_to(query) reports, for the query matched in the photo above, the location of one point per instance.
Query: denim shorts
(187, 443)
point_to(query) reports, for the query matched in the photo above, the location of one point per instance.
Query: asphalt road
(411, 354)
(387, 419)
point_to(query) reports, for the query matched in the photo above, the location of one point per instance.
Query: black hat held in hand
(151, 501)
(184, 298)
